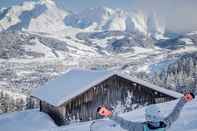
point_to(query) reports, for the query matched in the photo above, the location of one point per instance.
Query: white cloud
(179, 15)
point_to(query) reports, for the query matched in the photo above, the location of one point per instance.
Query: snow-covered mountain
(44, 16)
(106, 19)
(41, 16)
(100, 18)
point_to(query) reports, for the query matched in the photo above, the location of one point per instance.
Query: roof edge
(152, 86)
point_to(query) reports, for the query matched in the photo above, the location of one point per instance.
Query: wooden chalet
(77, 94)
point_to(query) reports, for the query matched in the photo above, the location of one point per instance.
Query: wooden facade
(109, 92)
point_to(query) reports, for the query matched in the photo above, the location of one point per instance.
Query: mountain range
(46, 17)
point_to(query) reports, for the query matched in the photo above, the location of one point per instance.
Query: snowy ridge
(41, 16)
(100, 16)
(105, 19)
(50, 21)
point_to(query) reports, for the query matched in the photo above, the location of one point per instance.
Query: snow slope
(40, 48)
(33, 120)
(30, 120)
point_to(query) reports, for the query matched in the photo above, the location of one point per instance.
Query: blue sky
(81, 4)
(5, 3)
(76, 5)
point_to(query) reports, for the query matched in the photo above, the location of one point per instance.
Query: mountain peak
(48, 3)
(101, 9)
(36, 16)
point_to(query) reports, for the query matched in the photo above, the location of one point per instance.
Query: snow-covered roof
(69, 85)
(77, 81)
(152, 86)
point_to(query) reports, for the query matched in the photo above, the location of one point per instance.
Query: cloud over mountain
(179, 15)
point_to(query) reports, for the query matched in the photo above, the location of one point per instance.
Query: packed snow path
(33, 120)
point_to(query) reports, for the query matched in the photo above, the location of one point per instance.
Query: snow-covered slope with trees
(29, 60)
